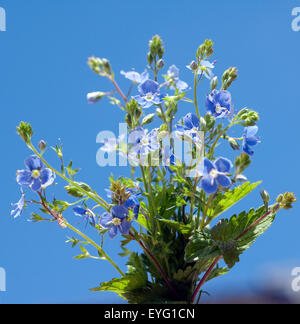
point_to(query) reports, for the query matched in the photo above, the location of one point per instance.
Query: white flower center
(35, 174)
(116, 221)
(145, 141)
(149, 96)
(214, 173)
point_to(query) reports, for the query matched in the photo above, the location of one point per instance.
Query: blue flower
(149, 94)
(116, 220)
(190, 129)
(135, 76)
(20, 205)
(85, 213)
(215, 174)
(205, 68)
(173, 74)
(142, 141)
(133, 203)
(94, 97)
(36, 176)
(219, 104)
(249, 139)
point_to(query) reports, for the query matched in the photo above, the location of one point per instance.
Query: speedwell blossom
(135, 76)
(85, 213)
(133, 203)
(173, 74)
(249, 139)
(116, 220)
(142, 141)
(219, 104)
(190, 128)
(20, 205)
(149, 94)
(215, 174)
(36, 176)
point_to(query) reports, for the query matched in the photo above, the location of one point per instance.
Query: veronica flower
(215, 174)
(219, 104)
(149, 94)
(116, 221)
(135, 76)
(205, 68)
(133, 203)
(142, 141)
(249, 139)
(86, 214)
(20, 205)
(190, 129)
(173, 74)
(36, 176)
(94, 97)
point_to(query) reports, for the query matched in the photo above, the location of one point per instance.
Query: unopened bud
(214, 83)
(193, 66)
(94, 97)
(234, 144)
(42, 145)
(265, 196)
(160, 64)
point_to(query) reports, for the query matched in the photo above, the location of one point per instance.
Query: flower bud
(286, 200)
(233, 143)
(25, 131)
(265, 196)
(202, 124)
(94, 97)
(193, 66)
(160, 64)
(214, 83)
(42, 145)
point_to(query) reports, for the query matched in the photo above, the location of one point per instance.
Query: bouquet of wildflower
(179, 188)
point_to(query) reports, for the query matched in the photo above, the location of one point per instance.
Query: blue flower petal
(125, 227)
(247, 149)
(19, 206)
(223, 181)
(148, 86)
(208, 166)
(24, 178)
(105, 220)
(34, 163)
(36, 185)
(47, 177)
(112, 232)
(119, 212)
(79, 211)
(222, 164)
(208, 184)
(190, 121)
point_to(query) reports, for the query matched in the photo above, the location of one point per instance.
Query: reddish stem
(156, 264)
(117, 88)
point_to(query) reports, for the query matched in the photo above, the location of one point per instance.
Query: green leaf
(230, 252)
(135, 279)
(217, 272)
(224, 201)
(85, 254)
(179, 227)
(201, 246)
(75, 192)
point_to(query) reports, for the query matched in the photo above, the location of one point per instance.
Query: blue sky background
(44, 80)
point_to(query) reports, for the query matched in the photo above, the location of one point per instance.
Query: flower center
(116, 221)
(214, 173)
(145, 141)
(149, 96)
(35, 174)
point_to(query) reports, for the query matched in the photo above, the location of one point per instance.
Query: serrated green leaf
(229, 198)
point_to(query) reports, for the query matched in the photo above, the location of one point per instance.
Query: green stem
(100, 250)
